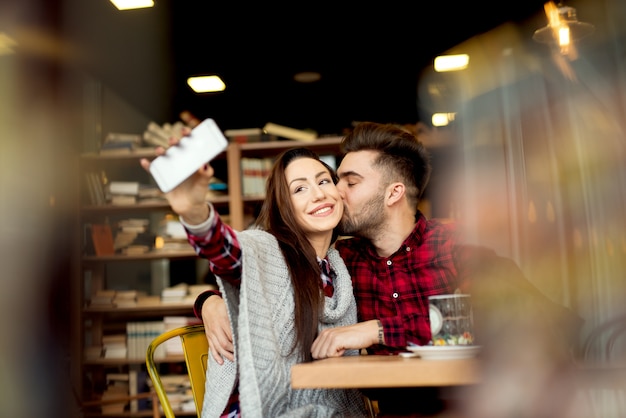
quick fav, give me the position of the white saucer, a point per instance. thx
(444, 352)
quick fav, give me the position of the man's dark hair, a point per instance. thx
(402, 157)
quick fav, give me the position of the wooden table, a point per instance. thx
(371, 371)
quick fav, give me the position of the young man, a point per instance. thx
(397, 258)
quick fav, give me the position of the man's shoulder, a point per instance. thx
(440, 230)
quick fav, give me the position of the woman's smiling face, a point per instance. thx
(314, 196)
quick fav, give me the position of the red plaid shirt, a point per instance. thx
(395, 289)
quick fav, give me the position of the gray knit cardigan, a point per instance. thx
(261, 312)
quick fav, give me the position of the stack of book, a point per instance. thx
(118, 386)
(175, 294)
(132, 192)
(115, 143)
(195, 290)
(126, 298)
(171, 235)
(148, 300)
(133, 236)
(178, 389)
(103, 298)
(174, 346)
(159, 135)
(115, 346)
(149, 193)
(123, 192)
(93, 352)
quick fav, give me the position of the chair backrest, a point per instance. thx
(196, 351)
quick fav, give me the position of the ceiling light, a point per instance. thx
(206, 84)
(563, 26)
(451, 62)
(442, 119)
(307, 77)
(132, 4)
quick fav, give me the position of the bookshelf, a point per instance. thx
(144, 275)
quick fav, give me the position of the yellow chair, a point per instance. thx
(196, 351)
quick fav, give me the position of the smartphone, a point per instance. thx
(180, 161)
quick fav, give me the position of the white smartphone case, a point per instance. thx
(180, 161)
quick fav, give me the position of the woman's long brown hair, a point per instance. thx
(277, 217)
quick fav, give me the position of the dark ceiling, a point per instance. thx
(370, 56)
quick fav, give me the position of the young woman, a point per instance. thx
(277, 287)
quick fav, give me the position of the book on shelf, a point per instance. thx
(93, 352)
(174, 346)
(123, 199)
(135, 250)
(196, 289)
(181, 289)
(147, 191)
(175, 294)
(245, 135)
(178, 390)
(133, 224)
(158, 135)
(115, 143)
(102, 238)
(114, 346)
(133, 236)
(95, 187)
(163, 244)
(254, 174)
(140, 334)
(115, 352)
(124, 187)
(170, 226)
(125, 192)
(88, 247)
(103, 297)
(127, 151)
(126, 298)
(112, 148)
(289, 133)
(148, 300)
(133, 389)
(120, 137)
(118, 386)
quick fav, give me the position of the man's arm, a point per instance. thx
(333, 342)
(214, 315)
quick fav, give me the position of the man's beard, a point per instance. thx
(368, 223)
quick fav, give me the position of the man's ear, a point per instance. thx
(395, 192)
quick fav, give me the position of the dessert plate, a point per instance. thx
(444, 352)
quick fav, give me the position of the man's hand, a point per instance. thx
(333, 342)
(217, 329)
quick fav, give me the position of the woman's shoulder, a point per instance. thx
(257, 238)
(256, 234)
